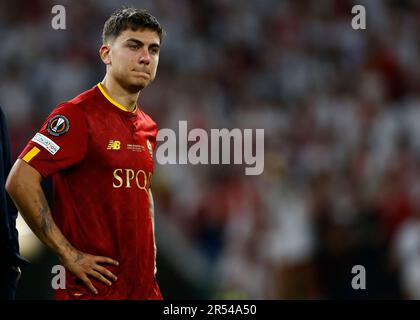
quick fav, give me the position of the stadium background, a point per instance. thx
(340, 109)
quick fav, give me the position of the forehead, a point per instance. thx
(146, 36)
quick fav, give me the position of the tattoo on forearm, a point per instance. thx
(64, 243)
(67, 247)
(46, 223)
(79, 257)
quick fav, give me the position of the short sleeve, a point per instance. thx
(151, 130)
(61, 142)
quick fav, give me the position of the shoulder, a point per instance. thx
(77, 106)
(86, 97)
(68, 110)
(149, 122)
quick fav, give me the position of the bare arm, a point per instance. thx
(152, 208)
(152, 216)
(24, 187)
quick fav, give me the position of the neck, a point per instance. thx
(127, 99)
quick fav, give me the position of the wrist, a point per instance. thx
(66, 253)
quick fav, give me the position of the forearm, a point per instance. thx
(31, 202)
(152, 208)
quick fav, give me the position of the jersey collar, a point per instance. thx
(115, 103)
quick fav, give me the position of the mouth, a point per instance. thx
(143, 72)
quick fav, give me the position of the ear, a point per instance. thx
(105, 53)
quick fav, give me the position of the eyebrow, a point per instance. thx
(152, 45)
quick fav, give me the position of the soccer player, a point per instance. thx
(98, 148)
(11, 261)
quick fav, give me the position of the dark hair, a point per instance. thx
(130, 18)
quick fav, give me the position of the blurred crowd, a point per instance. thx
(340, 109)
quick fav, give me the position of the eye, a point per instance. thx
(154, 50)
(134, 46)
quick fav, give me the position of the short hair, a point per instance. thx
(130, 18)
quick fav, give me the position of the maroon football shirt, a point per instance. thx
(100, 158)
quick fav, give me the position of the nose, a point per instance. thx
(144, 56)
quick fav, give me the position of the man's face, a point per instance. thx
(132, 58)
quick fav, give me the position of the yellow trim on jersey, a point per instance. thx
(115, 103)
(31, 154)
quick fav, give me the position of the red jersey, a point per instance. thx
(100, 158)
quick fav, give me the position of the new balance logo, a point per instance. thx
(114, 145)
